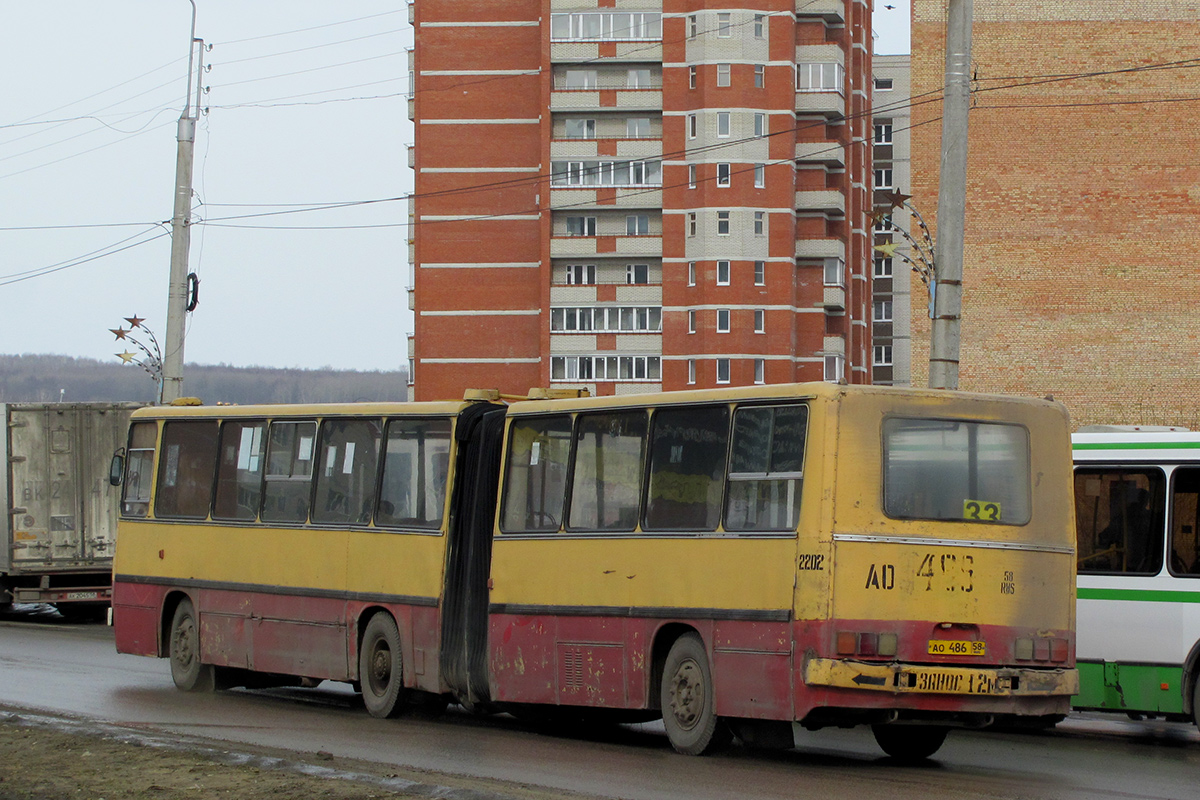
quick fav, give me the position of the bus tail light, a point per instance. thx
(1041, 650)
(850, 643)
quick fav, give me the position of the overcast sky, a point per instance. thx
(306, 106)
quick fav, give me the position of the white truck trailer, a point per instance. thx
(60, 521)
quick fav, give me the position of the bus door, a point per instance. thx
(464, 661)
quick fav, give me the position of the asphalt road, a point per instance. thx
(56, 668)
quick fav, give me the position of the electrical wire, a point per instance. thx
(95, 255)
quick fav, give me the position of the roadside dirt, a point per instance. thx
(48, 759)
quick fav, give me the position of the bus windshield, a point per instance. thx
(956, 470)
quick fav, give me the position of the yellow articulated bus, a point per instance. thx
(735, 561)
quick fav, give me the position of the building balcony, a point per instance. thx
(607, 98)
(599, 246)
(834, 298)
(832, 11)
(827, 200)
(625, 198)
(830, 154)
(832, 105)
(820, 248)
(589, 52)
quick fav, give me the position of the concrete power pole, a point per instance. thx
(952, 199)
(181, 236)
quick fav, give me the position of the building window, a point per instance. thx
(723, 71)
(760, 320)
(883, 178)
(883, 268)
(760, 273)
(883, 84)
(691, 273)
(883, 311)
(760, 223)
(691, 370)
(835, 272)
(581, 129)
(637, 225)
(760, 76)
(760, 176)
(412, 367)
(883, 133)
(820, 77)
(883, 355)
(722, 370)
(605, 26)
(691, 123)
(760, 124)
(606, 368)
(581, 226)
(691, 176)
(834, 368)
(637, 273)
(691, 77)
(722, 320)
(638, 79)
(691, 223)
(883, 223)
(693, 27)
(722, 223)
(691, 321)
(722, 273)
(606, 173)
(637, 128)
(722, 175)
(724, 24)
(760, 370)
(723, 123)
(581, 79)
(581, 274)
(760, 26)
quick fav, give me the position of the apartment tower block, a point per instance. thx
(631, 195)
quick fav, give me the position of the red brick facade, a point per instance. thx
(1082, 211)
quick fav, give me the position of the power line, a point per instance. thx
(310, 47)
(313, 28)
(95, 255)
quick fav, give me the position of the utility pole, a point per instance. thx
(952, 199)
(177, 289)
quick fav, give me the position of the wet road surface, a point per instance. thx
(57, 668)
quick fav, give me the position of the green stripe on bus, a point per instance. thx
(1135, 446)
(1141, 595)
(1154, 688)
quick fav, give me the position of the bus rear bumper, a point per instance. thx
(898, 679)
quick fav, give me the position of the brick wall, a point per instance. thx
(1083, 210)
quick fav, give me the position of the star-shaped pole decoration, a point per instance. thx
(888, 249)
(126, 357)
(896, 198)
(135, 320)
(120, 332)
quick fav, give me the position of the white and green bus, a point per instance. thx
(1137, 512)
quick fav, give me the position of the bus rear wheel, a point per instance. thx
(381, 667)
(689, 701)
(183, 649)
(909, 742)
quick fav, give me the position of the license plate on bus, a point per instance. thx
(83, 595)
(943, 647)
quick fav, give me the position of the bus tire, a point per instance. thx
(1196, 699)
(689, 700)
(381, 667)
(183, 650)
(909, 742)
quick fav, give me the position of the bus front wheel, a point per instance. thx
(187, 671)
(909, 742)
(381, 667)
(688, 699)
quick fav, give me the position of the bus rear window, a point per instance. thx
(956, 470)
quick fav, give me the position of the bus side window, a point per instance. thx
(766, 468)
(139, 469)
(1119, 520)
(687, 468)
(1185, 521)
(416, 467)
(239, 473)
(346, 478)
(610, 450)
(290, 451)
(186, 469)
(535, 478)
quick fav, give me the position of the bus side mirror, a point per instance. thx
(116, 469)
